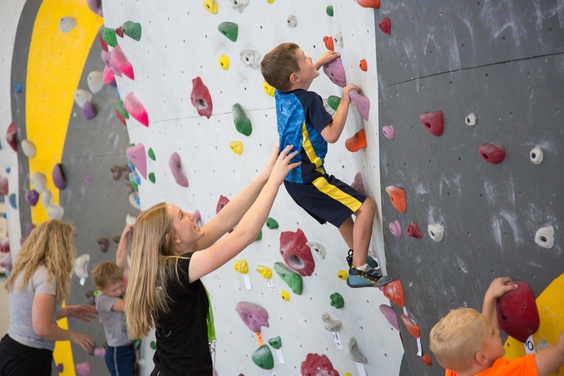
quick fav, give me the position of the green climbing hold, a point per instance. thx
(132, 30)
(333, 102)
(271, 223)
(109, 36)
(259, 236)
(153, 345)
(242, 122)
(337, 300)
(133, 182)
(152, 177)
(151, 154)
(292, 279)
(229, 29)
(263, 358)
(329, 10)
(275, 342)
(120, 106)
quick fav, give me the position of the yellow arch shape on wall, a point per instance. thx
(55, 64)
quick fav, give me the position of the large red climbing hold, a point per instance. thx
(356, 142)
(201, 98)
(491, 153)
(517, 312)
(394, 292)
(375, 4)
(397, 195)
(315, 364)
(433, 122)
(296, 253)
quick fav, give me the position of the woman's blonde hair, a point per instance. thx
(152, 268)
(50, 244)
(457, 337)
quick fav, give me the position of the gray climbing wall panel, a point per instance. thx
(503, 61)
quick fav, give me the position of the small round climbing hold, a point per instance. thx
(285, 295)
(333, 102)
(433, 122)
(292, 21)
(109, 36)
(493, 154)
(269, 90)
(427, 359)
(211, 6)
(329, 44)
(337, 300)
(242, 122)
(389, 132)
(66, 24)
(363, 65)
(271, 223)
(471, 119)
(357, 141)
(236, 146)
(224, 62)
(153, 345)
(342, 274)
(329, 10)
(536, 155)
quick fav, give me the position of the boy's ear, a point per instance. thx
(294, 78)
(481, 358)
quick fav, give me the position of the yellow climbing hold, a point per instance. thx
(285, 295)
(224, 62)
(269, 90)
(211, 6)
(236, 146)
(342, 274)
(265, 271)
(242, 266)
(270, 1)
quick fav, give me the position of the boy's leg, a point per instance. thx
(362, 231)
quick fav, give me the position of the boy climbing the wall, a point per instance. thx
(304, 123)
(467, 342)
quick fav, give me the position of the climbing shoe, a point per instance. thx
(368, 277)
(371, 261)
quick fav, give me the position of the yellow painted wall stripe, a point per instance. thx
(55, 64)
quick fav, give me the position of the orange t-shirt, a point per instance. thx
(525, 366)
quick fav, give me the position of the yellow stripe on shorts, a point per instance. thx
(336, 194)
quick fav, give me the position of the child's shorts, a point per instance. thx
(327, 199)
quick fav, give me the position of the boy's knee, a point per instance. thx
(368, 206)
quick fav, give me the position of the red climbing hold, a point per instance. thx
(386, 25)
(201, 98)
(119, 31)
(517, 312)
(221, 203)
(414, 231)
(397, 195)
(369, 3)
(356, 142)
(329, 44)
(363, 65)
(426, 358)
(315, 364)
(411, 325)
(433, 122)
(12, 136)
(394, 292)
(296, 253)
(493, 154)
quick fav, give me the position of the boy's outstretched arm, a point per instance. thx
(551, 359)
(121, 253)
(498, 287)
(333, 130)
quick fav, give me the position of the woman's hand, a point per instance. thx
(82, 312)
(283, 165)
(270, 162)
(84, 341)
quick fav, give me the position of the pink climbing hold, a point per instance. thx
(358, 183)
(517, 312)
(395, 228)
(386, 25)
(253, 315)
(12, 136)
(336, 72)
(201, 98)
(296, 253)
(389, 132)
(108, 76)
(433, 122)
(390, 315)
(120, 62)
(83, 369)
(315, 364)
(138, 157)
(175, 165)
(134, 107)
(221, 203)
(361, 102)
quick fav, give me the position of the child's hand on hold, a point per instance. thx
(500, 286)
(346, 90)
(327, 57)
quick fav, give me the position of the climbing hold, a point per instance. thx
(80, 267)
(240, 5)
(292, 21)
(336, 72)
(152, 178)
(388, 132)
(292, 279)
(137, 156)
(436, 232)
(285, 295)
(433, 122)
(385, 25)
(134, 200)
(66, 24)
(83, 369)
(175, 165)
(153, 345)
(32, 197)
(395, 228)
(493, 154)
(82, 96)
(354, 352)
(361, 102)
(221, 203)
(315, 364)
(38, 181)
(12, 136)
(271, 223)
(211, 6)
(236, 146)
(426, 358)
(60, 368)
(536, 155)
(333, 102)
(224, 62)
(545, 237)
(390, 315)
(358, 183)
(132, 30)
(338, 38)
(253, 315)
(241, 266)
(329, 44)
(95, 81)
(46, 198)
(242, 122)
(88, 179)
(104, 46)
(59, 178)
(275, 342)
(337, 300)
(411, 325)
(108, 76)
(201, 98)
(119, 32)
(375, 4)
(13, 200)
(120, 62)
(89, 110)
(330, 11)
(28, 148)
(263, 358)
(296, 253)
(342, 275)
(517, 312)
(259, 236)
(116, 172)
(394, 292)
(134, 107)
(270, 1)
(4, 186)
(104, 244)
(55, 211)
(357, 141)
(120, 107)
(414, 231)
(269, 90)
(109, 36)
(330, 324)
(363, 65)
(264, 271)
(96, 7)
(229, 29)
(151, 154)
(397, 195)
(471, 120)
(250, 58)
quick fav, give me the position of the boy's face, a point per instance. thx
(492, 347)
(114, 289)
(307, 72)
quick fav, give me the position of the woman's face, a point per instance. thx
(187, 230)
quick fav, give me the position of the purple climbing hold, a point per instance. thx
(59, 178)
(390, 315)
(96, 7)
(395, 228)
(175, 165)
(336, 72)
(361, 102)
(358, 183)
(253, 315)
(89, 110)
(138, 157)
(388, 132)
(32, 197)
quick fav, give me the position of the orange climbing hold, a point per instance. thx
(356, 142)
(369, 3)
(394, 292)
(397, 195)
(411, 325)
(363, 65)
(427, 359)
(329, 44)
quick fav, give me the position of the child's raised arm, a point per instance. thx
(498, 287)
(551, 359)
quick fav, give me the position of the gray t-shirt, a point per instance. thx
(115, 327)
(21, 301)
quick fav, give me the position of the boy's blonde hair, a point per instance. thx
(106, 273)
(457, 337)
(278, 65)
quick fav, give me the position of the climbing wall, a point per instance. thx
(495, 70)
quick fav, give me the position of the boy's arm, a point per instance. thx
(333, 130)
(327, 57)
(551, 359)
(121, 253)
(119, 306)
(498, 287)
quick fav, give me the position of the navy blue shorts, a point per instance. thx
(327, 199)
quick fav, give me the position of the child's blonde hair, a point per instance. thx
(457, 337)
(106, 273)
(278, 65)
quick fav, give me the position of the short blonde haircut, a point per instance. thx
(278, 65)
(457, 337)
(106, 273)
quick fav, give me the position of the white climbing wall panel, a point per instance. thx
(180, 41)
